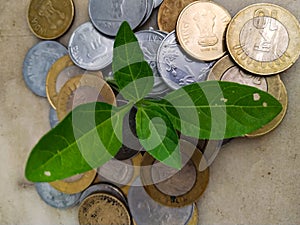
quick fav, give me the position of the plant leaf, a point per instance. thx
(217, 110)
(87, 138)
(158, 136)
(132, 73)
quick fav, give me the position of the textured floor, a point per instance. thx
(252, 181)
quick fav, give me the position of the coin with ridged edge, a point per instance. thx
(103, 209)
(201, 29)
(50, 19)
(264, 39)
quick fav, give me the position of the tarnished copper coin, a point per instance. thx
(103, 209)
(168, 13)
(201, 29)
(60, 72)
(264, 39)
(83, 89)
(226, 70)
(76, 183)
(176, 188)
(49, 19)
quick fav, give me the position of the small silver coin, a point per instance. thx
(150, 41)
(145, 211)
(176, 67)
(157, 3)
(89, 49)
(108, 15)
(104, 188)
(56, 198)
(37, 63)
(150, 7)
(53, 117)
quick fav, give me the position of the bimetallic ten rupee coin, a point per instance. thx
(75, 184)
(49, 19)
(226, 70)
(108, 15)
(264, 39)
(146, 211)
(89, 49)
(38, 62)
(168, 13)
(56, 198)
(201, 29)
(83, 89)
(176, 67)
(103, 209)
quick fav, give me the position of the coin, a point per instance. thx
(146, 211)
(194, 218)
(168, 13)
(49, 19)
(157, 3)
(264, 39)
(89, 49)
(56, 198)
(150, 7)
(75, 184)
(104, 188)
(176, 67)
(83, 89)
(226, 70)
(53, 117)
(103, 209)
(173, 189)
(37, 63)
(107, 15)
(60, 72)
(201, 29)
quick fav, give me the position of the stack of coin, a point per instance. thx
(196, 41)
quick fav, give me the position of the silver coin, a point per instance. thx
(89, 49)
(104, 188)
(37, 63)
(210, 153)
(176, 67)
(150, 41)
(56, 198)
(107, 15)
(157, 3)
(117, 172)
(150, 7)
(146, 211)
(53, 117)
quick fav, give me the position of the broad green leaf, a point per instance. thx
(158, 136)
(218, 110)
(132, 73)
(87, 138)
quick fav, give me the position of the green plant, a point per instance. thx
(92, 133)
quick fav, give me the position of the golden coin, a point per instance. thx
(75, 184)
(194, 219)
(226, 70)
(264, 39)
(49, 19)
(201, 29)
(83, 89)
(60, 72)
(168, 13)
(175, 188)
(103, 209)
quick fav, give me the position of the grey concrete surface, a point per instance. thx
(252, 181)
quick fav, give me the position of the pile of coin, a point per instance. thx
(196, 41)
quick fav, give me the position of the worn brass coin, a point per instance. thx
(181, 189)
(83, 89)
(226, 70)
(103, 209)
(49, 19)
(201, 29)
(60, 72)
(76, 183)
(168, 13)
(264, 39)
